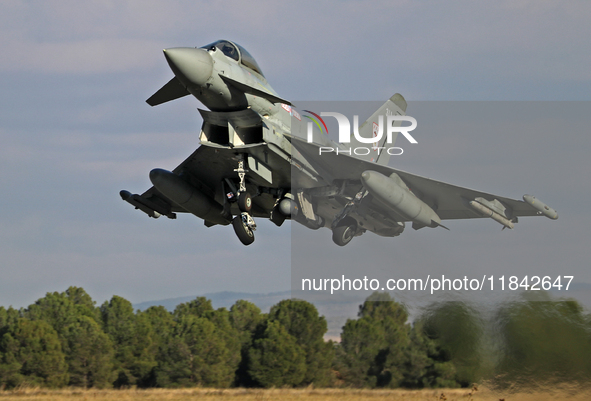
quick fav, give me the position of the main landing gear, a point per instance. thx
(344, 227)
(344, 231)
(244, 225)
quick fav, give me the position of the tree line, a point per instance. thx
(64, 339)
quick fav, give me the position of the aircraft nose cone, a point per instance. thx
(191, 66)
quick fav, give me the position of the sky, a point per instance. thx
(75, 130)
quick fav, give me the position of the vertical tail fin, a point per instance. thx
(396, 105)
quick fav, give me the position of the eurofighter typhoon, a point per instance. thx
(259, 158)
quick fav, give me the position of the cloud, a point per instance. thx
(80, 57)
(458, 40)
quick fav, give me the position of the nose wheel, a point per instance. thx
(244, 202)
(244, 227)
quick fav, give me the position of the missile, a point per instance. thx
(540, 207)
(188, 197)
(146, 205)
(394, 193)
(487, 212)
(136, 201)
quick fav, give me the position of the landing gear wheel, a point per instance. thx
(342, 235)
(242, 230)
(344, 232)
(244, 202)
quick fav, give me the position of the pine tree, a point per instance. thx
(375, 346)
(303, 323)
(245, 318)
(201, 349)
(275, 359)
(195, 355)
(31, 353)
(90, 354)
(88, 350)
(135, 350)
(544, 340)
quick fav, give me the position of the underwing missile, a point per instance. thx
(188, 197)
(540, 207)
(487, 212)
(136, 201)
(394, 193)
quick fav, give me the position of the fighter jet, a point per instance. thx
(259, 158)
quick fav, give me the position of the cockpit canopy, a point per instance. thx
(236, 52)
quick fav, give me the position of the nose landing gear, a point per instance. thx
(244, 225)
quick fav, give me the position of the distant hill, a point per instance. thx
(577, 290)
(336, 310)
(224, 299)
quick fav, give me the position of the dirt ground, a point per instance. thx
(35, 394)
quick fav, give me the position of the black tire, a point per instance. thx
(244, 202)
(342, 235)
(244, 234)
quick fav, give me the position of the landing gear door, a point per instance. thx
(306, 205)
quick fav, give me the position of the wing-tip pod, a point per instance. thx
(540, 206)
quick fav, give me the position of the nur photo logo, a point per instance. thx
(393, 126)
